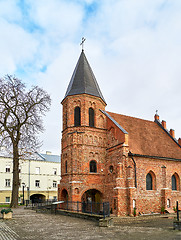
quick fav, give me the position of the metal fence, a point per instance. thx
(97, 208)
(86, 207)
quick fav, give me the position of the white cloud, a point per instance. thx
(133, 47)
(10, 11)
(17, 47)
(57, 18)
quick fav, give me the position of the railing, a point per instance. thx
(86, 207)
(39, 203)
(97, 208)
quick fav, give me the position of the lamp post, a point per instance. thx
(23, 185)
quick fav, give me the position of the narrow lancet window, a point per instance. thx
(91, 117)
(149, 185)
(65, 166)
(93, 166)
(174, 183)
(77, 117)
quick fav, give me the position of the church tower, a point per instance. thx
(83, 137)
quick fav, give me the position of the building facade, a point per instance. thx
(39, 177)
(130, 162)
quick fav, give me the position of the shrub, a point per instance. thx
(162, 209)
(6, 210)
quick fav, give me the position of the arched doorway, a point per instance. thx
(64, 198)
(92, 201)
(64, 195)
(92, 195)
(37, 198)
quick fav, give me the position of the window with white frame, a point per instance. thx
(37, 183)
(37, 170)
(54, 184)
(7, 199)
(7, 168)
(55, 171)
(7, 182)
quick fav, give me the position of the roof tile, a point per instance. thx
(147, 138)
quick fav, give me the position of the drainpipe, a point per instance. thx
(131, 155)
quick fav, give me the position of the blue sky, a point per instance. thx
(133, 47)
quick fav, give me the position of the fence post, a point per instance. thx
(103, 210)
(108, 209)
(177, 212)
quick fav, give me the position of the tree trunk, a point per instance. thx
(15, 189)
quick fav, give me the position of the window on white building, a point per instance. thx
(54, 171)
(37, 170)
(54, 184)
(37, 183)
(7, 168)
(7, 182)
(7, 199)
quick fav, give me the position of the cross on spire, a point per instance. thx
(82, 43)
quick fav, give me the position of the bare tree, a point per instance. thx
(20, 121)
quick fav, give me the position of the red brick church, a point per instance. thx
(130, 162)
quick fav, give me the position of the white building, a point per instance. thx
(39, 176)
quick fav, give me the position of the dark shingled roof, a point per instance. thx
(83, 80)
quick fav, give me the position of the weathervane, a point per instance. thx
(82, 43)
(156, 112)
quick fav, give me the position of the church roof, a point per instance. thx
(147, 137)
(83, 80)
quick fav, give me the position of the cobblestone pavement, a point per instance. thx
(27, 224)
(7, 233)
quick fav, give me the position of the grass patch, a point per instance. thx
(4, 205)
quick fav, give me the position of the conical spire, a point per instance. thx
(83, 80)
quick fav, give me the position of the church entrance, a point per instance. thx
(92, 195)
(64, 195)
(92, 201)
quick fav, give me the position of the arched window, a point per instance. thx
(168, 203)
(149, 185)
(93, 166)
(174, 183)
(65, 166)
(91, 117)
(111, 168)
(77, 117)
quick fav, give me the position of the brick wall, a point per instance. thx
(115, 177)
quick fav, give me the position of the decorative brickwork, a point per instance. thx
(111, 157)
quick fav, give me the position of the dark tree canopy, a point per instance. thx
(21, 114)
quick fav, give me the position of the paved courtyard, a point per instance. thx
(27, 224)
